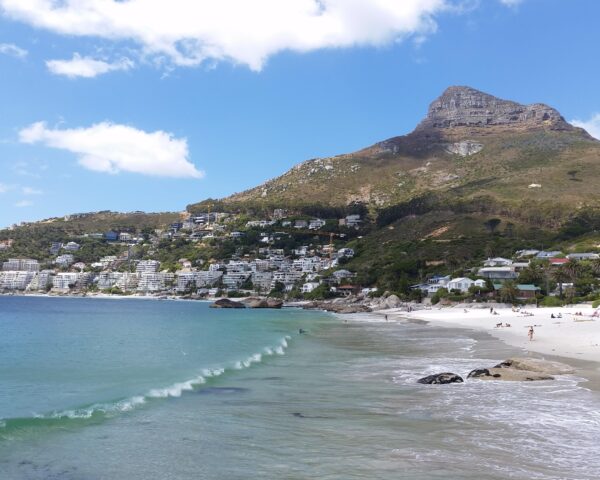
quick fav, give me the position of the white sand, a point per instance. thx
(571, 336)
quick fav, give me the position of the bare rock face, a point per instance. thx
(467, 107)
(464, 148)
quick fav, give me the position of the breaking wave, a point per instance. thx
(99, 411)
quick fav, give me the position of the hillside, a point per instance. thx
(33, 239)
(523, 161)
(478, 177)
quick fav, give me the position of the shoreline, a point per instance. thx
(572, 339)
(103, 296)
(586, 369)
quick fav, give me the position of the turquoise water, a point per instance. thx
(133, 389)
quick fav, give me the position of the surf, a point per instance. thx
(97, 412)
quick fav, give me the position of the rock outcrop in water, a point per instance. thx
(264, 303)
(522, 369)
(226, 303)
(441, 379)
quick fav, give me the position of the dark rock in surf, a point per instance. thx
(481, 372)
(441, 379)
(226, 303)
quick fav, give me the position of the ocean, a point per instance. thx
(96, 389)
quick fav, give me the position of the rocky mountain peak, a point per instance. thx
(461, 106)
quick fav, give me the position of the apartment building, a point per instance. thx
(21, 265)
(147, 266)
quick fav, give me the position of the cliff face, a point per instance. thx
(467, 107)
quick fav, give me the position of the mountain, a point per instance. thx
(471, 147)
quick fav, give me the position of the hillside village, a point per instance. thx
(285, 256)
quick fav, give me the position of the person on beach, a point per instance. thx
(530, 333)
(386, 318)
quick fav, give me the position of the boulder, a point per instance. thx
(522, 370)
(508, 374)
(441, 378)
(537, 365)
(226, 303)
(393, 301)
(480, 372)
(274, 303)
(258, 303)
(338, 307)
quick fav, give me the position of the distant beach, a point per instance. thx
(572, 336)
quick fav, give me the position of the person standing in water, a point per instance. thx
(530, 333)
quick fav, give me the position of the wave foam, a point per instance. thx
(125, 405)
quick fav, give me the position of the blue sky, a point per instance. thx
(169, 103)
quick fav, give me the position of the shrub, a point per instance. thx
(551, 302)
(596, 304)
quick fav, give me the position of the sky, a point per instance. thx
(151, 105)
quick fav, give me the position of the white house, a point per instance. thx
(583, 256)
(345, 252)
(498, 273)
(64, 260)
(497, 262)
(316, 223)
(463, 284)
(309, 287)
(72, 246)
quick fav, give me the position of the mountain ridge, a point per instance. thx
(467, 138)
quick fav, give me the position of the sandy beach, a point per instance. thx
(572, 336)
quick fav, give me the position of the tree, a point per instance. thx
(509, 229)
(322, 292)
(437, 296)
(509, 292)
(595, 266)
(247, 285)
(535, 274)
(574, 269)
(560, 276)
(277, 290)
(492, 224)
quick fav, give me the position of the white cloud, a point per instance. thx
(24, 203)
(247, 32)
(86, 67)
(511, 3)
(31, 191)
(12, 50)
(112, 148)
(592, 126)
(3, 188)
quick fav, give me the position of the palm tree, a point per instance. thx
(574, 269)
(560, 276)
(535, 273)
(509, 292)
(595, 266)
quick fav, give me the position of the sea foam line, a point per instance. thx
(173, 391)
